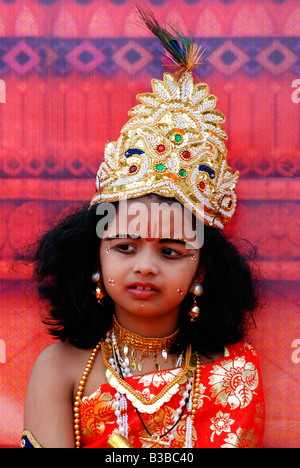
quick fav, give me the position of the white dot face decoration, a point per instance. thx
(179, 291)
(111, 282)
(193, 258)
(107, 250)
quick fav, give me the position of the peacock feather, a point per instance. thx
(181, 53)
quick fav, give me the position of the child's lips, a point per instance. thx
(143, 290)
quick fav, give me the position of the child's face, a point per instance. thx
(149, 275)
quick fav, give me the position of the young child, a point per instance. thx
(151, 311)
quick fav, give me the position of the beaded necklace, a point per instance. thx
(190, 401)
(121, 411)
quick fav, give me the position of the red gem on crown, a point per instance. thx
(161, 148)
(186, 154)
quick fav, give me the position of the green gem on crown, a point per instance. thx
(178, 138)
(182, 173)
(159, 167)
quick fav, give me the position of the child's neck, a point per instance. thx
(149, 326)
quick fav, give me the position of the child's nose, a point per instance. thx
(146, 264)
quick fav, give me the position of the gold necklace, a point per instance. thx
(146, 345)
(77, 402)
(143, 343)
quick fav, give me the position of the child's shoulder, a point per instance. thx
(60, 362)
(56, 353)
(50, 392)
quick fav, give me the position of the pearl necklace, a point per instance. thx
(121, 414)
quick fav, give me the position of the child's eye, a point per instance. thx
(127, 248)
(168, 252)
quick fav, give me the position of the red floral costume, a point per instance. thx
(230, 406)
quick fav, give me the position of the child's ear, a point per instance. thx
(200, 275)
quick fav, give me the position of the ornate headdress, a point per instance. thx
(173, 144)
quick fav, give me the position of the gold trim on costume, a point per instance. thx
(31, 439)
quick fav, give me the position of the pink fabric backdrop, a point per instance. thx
(71, 71)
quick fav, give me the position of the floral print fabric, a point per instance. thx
(230, 407)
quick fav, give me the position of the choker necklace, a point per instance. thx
(143, 342)
(146, 346)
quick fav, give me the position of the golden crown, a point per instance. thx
(173, 146)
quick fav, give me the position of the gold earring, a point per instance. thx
(99, 291)
(194, 312)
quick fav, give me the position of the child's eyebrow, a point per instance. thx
(187, 243)
(178, 241)
(122, 236)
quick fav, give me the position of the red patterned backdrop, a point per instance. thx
(63, 66)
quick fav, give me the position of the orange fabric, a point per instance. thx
(230, 407)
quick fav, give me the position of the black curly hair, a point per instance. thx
(65, 258)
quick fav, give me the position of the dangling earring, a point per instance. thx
(99, 291)
(194, 312)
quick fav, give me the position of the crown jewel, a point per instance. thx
(173, 145)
